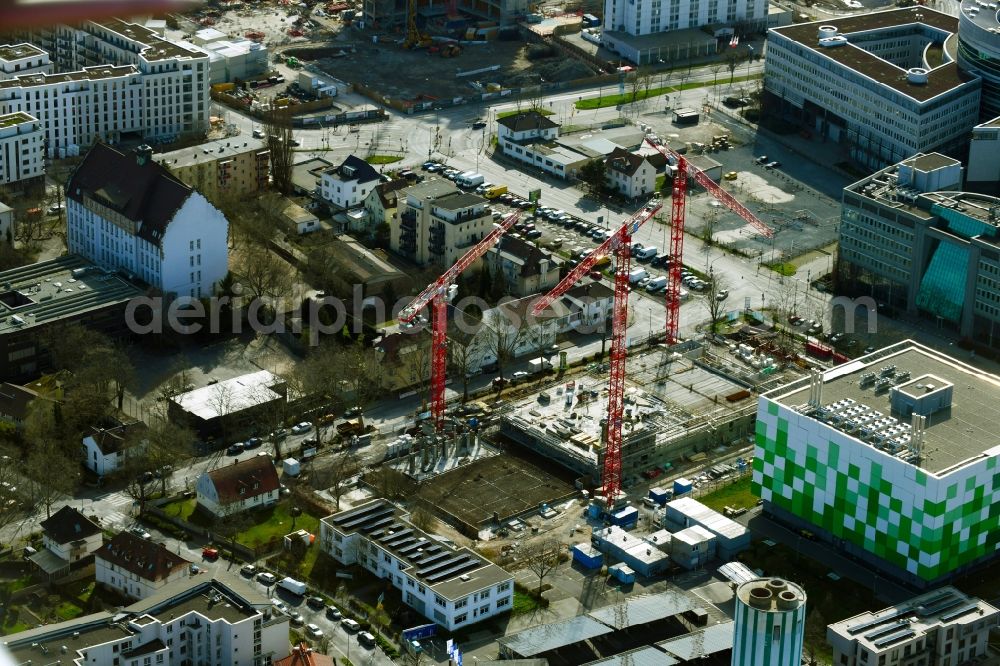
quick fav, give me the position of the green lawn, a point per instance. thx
(383, 159)
(67, 610)
(524, 603)
(276, 522)
(539, 110)
(626, 98)
(182, 508)
(782, 268)
(735, 495)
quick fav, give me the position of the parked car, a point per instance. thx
(296, 619)
(210, 554)
(235, 449)
(773, 165)
(366, 639)
(267, 578)
(353, 412)
(141, 533)
(333, 613)
(519, 376)
(349, 624)
(533, 233)
(164, 471)
(315, 603)
(280, 606)
(300, 428)
(314, 631)
(722, 295)
(248, 570)
(761, 160)
(278, 435)
(252, 443)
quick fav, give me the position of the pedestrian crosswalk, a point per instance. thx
(116, 510)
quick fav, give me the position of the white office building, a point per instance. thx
(453, 587)
(209, 620)
(126, 212)
(943, 627)
(979, 53)
(884, 84)
(22, 149)
(22, 59)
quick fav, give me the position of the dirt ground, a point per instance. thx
(430, 76)
(503, 484)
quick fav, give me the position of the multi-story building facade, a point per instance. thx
(227, 169)
(650, 16)
(631, 174)
(943, 627)
(22, 149)
(215, 620)
(126, 212)
(39, 298)
(978, 53)
(137, 568)
(891, 458)
(912, 239)
(453, 587)
(116, 78)
(872, 83)
(350, 183)
(438, 223)
(23, 59)
(525, 268)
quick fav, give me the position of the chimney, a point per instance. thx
(143, 154)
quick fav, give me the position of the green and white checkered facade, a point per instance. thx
(924, 524)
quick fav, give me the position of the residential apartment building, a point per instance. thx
(525, 268)
(381, 206)
(865, 81)
(404, 361)
(944, 627)
(70, 536)
(243, 486)
(439, 223)
(913, 240)
(126, 212)
(38, 298)
(453, 587)
(22, 59)
(22, 149)
(349, 184)
(216, 620)
(106, 450)
(137, 567)
(647, 17)
(630, 174)
(116, 78)
(871, 459)
(226, 169)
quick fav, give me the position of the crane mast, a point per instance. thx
(677, 217)
(620, 244)
(435, 295)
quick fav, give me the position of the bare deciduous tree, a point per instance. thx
(715, 299)
(541, 558)
(278, 130)
(334, 474)
(502, 335)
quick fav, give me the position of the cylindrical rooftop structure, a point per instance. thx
(770, 623)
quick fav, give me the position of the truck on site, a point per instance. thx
(537, 365)
(470, 179)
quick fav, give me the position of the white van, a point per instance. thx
(293, 586)
(470, 179)
(656, 284)
(637, 274)
(645, 253)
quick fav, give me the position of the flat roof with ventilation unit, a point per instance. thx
(449, 571)
(910, 621)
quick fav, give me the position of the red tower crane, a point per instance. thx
(435, 294)
(620, 243)
(677, 228)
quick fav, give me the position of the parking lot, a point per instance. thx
(574, 238)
